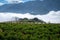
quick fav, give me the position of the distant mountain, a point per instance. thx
(33, 7)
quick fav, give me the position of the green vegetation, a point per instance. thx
(28, 20)
(24, 31)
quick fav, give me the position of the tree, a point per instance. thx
(35, 19)
(25, 19)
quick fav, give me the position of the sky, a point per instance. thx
(2, 2)
(14, 1)
(51, 16)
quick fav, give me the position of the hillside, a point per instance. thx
(14, 31)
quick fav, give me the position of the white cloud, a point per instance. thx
(1, 4)
(17, 1)
(10, 16)
(52, 16)
(14, 1)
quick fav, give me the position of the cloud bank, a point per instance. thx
(17, 1)
(14, 1)
(1, 4)
(52, 16)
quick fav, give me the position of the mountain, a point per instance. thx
(33, 7)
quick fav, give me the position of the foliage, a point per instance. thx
(28, 20)
(24, 31)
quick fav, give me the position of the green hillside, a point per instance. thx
(25, 31)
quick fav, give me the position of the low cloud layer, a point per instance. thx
(52, 16)
(14, 1)
(1, 4)
(17, 1)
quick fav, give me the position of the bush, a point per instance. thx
(26, 31)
